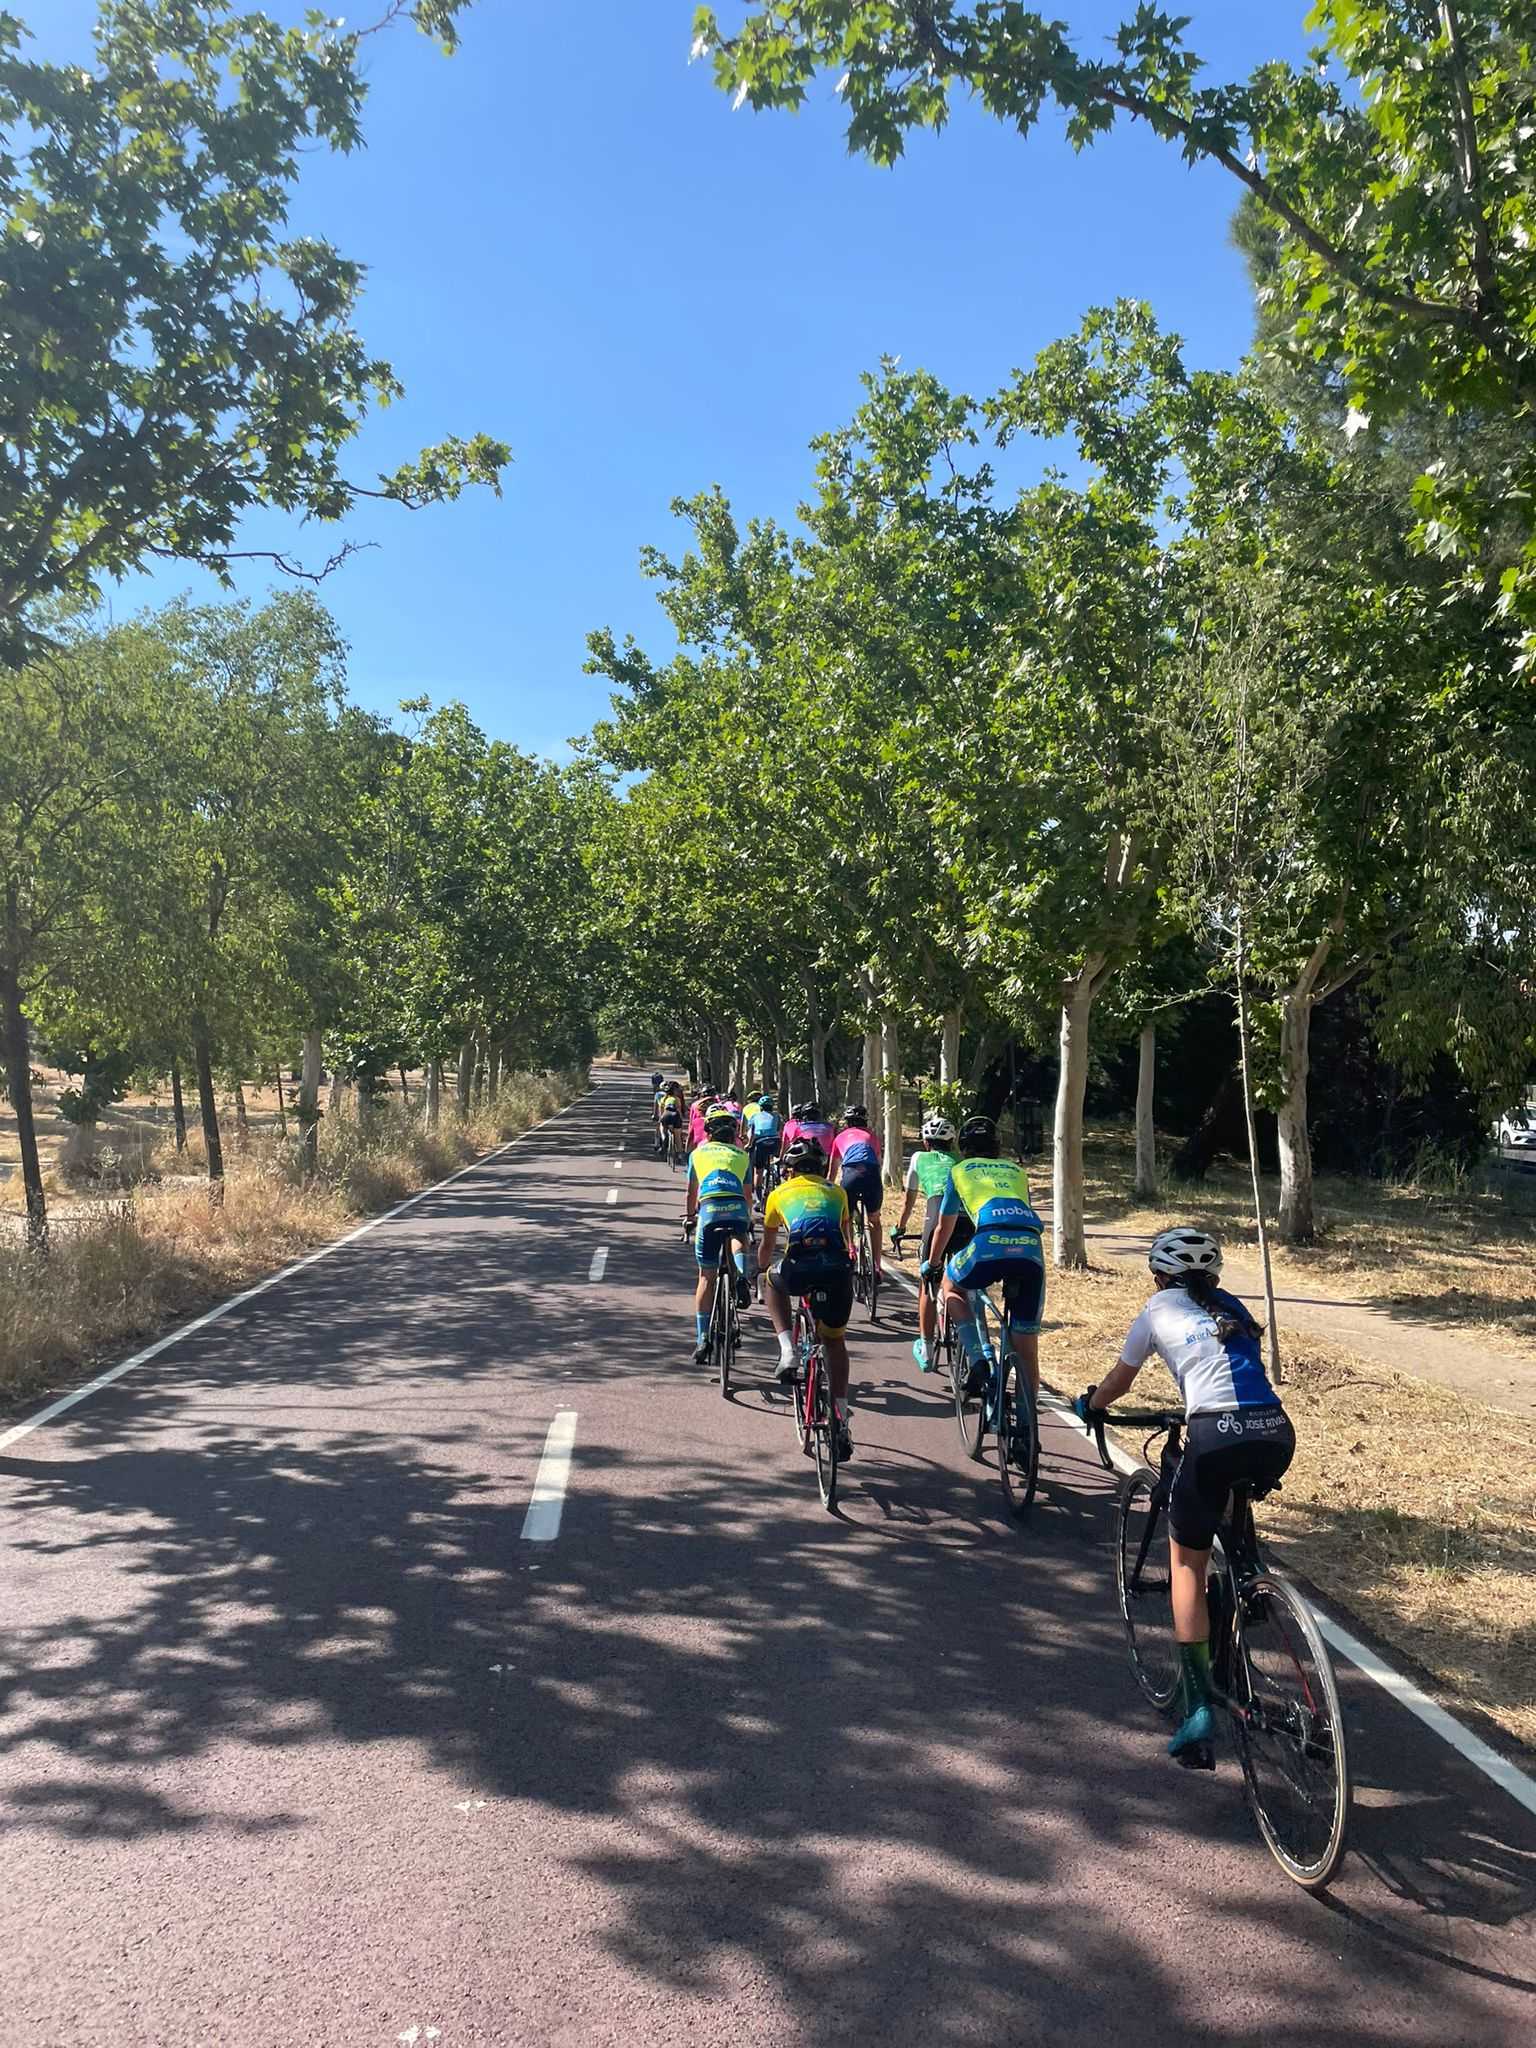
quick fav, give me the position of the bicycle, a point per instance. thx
(1270, 1667)
(1006, 1405)
(724, 1318)
(815, 1414)
(677, 1146)
(866, 1277)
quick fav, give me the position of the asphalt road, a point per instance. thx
(302, 1741)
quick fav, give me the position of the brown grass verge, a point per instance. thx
(1460, 1259)
(121, 1269)
(1411, 1506)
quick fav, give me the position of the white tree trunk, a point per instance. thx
(1296, 1221)
(949, 1048)
(890, 1103)
(1146, 1129)
(1069, 1242)
(434, 1093)
(309, 1100)
(1245, 1044)
(466, 1074)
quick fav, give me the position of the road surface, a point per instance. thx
(302, 1740)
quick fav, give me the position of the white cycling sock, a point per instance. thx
(786, 1348)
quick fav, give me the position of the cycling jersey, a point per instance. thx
(721, 1172)
(763, 1127)
(822, 1133)
(928, 1173)
(993, 1193)
(812, 1214)
(855, 1150)
(1212, 1372)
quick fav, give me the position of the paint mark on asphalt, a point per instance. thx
(599, 1262)
(541, 1524)
(613, 1196)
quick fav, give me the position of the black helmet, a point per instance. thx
(978, 1137)
(806, 1112)
(805, 1156)
(855, 1117)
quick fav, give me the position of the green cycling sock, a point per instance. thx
(1195, 1671)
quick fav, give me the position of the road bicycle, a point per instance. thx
(866, 1276)
(677, 1146)
(1005, 1405)
(1271, 1669)
(815, 1413)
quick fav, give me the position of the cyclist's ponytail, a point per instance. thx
(1231, 1318)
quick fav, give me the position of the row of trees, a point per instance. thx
(212, 856)
(973, 763)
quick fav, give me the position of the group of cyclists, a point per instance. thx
(979, 1231)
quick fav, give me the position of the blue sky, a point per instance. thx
(573, 243)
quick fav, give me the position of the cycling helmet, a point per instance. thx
(938, 1130)
(805, 1156)
(806, 1112)
(978, 1137)
(1180, 1252)
(765, 1102)
(656, 1080)
(720, 1120)
(855, 1116)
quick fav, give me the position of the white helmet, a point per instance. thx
(1178, 1252)
(938, 1130)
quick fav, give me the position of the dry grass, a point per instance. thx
(1462, 1258)
(120, 1269)
(1413, 1507)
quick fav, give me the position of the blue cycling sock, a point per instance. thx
(970, 1341)
(701, 1320)
(741, 1263)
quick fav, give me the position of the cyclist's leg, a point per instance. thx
(874, 1204)
(739, 1261)
(962, 1317)
(706, 1251)
(1023, 1307)
(1195, 1507)
(832, 1304)
(776, 1294)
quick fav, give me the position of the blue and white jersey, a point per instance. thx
(1212, 1372)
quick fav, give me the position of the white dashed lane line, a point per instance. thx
(599, 1263)
(612, 1196)
(541, 1524)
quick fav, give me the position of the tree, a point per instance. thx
(1396, 171)
(173, 359)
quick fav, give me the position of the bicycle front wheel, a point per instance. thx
(1018, 1441)
(824, 1433)
(1290, 1731)
(1145, 1587)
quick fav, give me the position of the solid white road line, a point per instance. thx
(18, 1430)
(541, 1524)
(1508, 1776)
(599, 1263)
(612, 1196)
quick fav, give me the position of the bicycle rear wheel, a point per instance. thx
(802, 1382)
(722, 1329)
(824, 1433)
(1290, 1731)
(1145, 1588)
(970, 1409)
(1018, 1440)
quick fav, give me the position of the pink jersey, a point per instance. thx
(695, 1126)
(856, 1151)
(822, 1133)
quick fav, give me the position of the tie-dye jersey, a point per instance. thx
(855, 1151)
(822, 1133)
(811, 1214)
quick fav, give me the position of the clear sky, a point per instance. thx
(574, 244)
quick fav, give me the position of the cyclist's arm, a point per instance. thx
(692, 1209)
(943, 1231)
(766, 1244)
(1116, 1381)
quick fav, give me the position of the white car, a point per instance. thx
(1518, 1128)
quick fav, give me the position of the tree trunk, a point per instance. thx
(242, 1120)
(1245, 1045)
(434, 1093)
(405, 1088)
(1296, 1221)
(282, 1107)
(309, 1102)
(18, 1073)
(1195, 1156)
(1146, 1129)
(739, 1071)
(466, 1075)
(981, 1059)
(949, 1047)
(890, 1068)
(493, 1072)
(208, 1104)
(178, 1107)
(1069, 1242)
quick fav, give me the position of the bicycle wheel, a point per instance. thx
(970, 1409)
(1018, 1440)
(860, 1259)
(1143, 1581)
(802, 1383)
(721, 1330)
(824, 1432)
(1290, 1731)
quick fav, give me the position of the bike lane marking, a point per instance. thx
(599, 1263)
(611, 1197)
(541, 1524)
(1504, 1773)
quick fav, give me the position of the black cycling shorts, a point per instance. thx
(863, 1184)
(826, 1283)
(1242, 1447)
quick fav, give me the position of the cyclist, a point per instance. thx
(855, 1162)
(669, 1115)
(660, 1096)
(719, 1203)
(763, 1126)
(816, 1263)
(702, 1102)
(987, 1232)
(806, 1121)
(928, 1176)
(1236, 1431)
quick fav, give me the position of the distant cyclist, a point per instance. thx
(702, 1104)
(719, 1205)
(854, 1162)
(927, 1178)
(807, 1120)
(762, 1133)
(988, 1234)
(1236, 1432)
(669, 1114)
(816, 1264)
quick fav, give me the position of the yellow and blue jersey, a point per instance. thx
(721, 1172)
(811, 1212)
(993, 1193)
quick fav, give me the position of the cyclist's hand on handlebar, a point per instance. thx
(1089, 1418)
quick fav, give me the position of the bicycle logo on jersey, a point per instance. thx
(1229, 1423)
